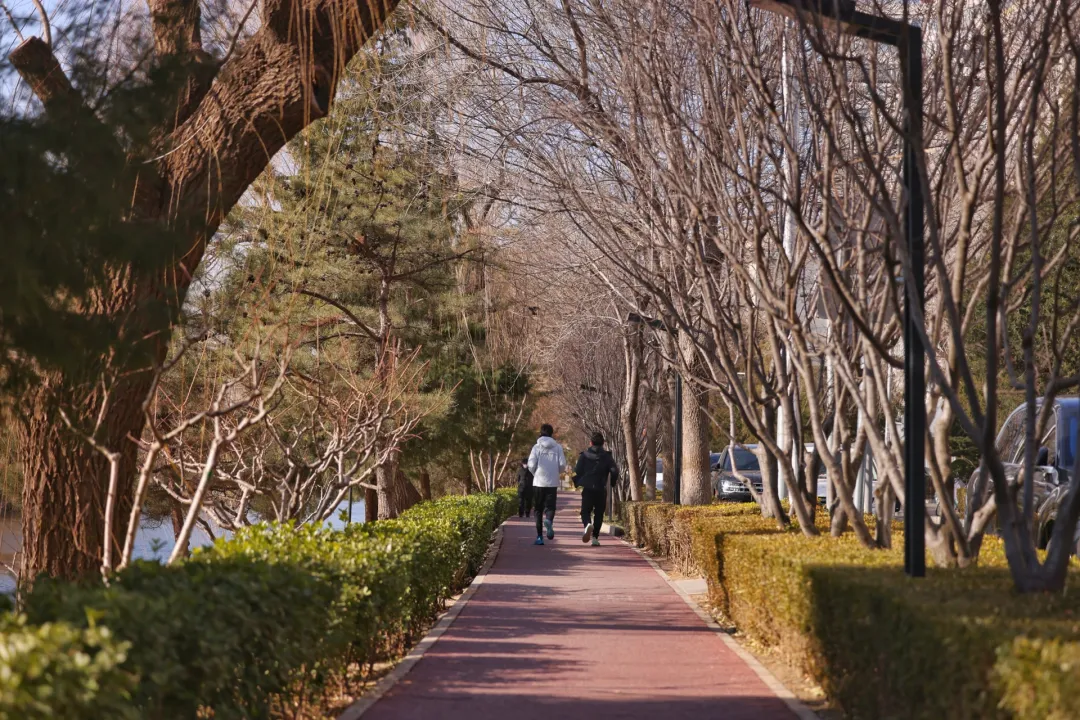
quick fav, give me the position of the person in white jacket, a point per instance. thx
(547, 463)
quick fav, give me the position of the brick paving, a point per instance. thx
(567, 632)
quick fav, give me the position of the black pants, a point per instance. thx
(525, 500)
(544, 502)
(593, 502)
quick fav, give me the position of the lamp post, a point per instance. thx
(676, 449)
(907, 38)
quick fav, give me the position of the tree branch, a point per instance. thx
(36, 64)
(349, 313)
(176, 26)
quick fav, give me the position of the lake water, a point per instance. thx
(153, 540)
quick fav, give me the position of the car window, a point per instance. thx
(1010, 441)
(745, 460)
(659, 466)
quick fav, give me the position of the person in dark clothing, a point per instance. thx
(525, 489)
(594, 468)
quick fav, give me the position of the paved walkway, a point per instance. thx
(569, 632)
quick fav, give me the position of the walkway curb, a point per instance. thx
(794, 704)
(361, 706)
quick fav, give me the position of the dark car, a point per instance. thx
(1055, 459)
(726, 485)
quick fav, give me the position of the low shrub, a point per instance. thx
(631, 515)
(1039, 678)
(651, 525)
(655, 525)
(957, 644)
(202, 634)
(274, 611)
(708, 536)
(961, 644)
(59, 671)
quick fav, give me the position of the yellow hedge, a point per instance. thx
(957, 644)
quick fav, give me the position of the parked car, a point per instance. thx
(713, 459)
(726, 485)
(1055, 459)
(823, 484)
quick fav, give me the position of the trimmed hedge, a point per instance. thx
(274, 611)
(957, 644)
(58, 671)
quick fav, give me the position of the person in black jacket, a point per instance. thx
(525, 489)
(594, 468)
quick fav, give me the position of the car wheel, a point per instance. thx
(1050, 544)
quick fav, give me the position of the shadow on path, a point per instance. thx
(568, 631)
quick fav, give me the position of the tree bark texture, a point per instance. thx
(651, 453)
(371, 505)
(667, 437)
(224, 130)
(696, 486)
(388, 491)
(628, 413)
(425, 485)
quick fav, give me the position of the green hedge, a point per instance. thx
(957, 644)
(274, 611)
(58, 671)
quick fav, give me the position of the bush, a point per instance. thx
(59, 671)
(957, 644)
(651, 524)
(1040, 678)
(268, 612)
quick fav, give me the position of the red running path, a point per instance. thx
(567, 632)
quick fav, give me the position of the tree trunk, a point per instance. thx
(176, 514)
(216, 141)
(371, 505)
(65, 481)
(396, 494)
(651, 453)
(425, 485)
(884, 508)
(667, 435)
(628, 413)
(696, 487)
(770, 486)
(406, 491)
(387, 490)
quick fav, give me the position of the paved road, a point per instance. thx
(569, 632)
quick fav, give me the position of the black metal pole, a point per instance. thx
(677, 444)
(914, 381)
(350, 505)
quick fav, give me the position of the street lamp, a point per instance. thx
(907, 38)
(676, 449)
